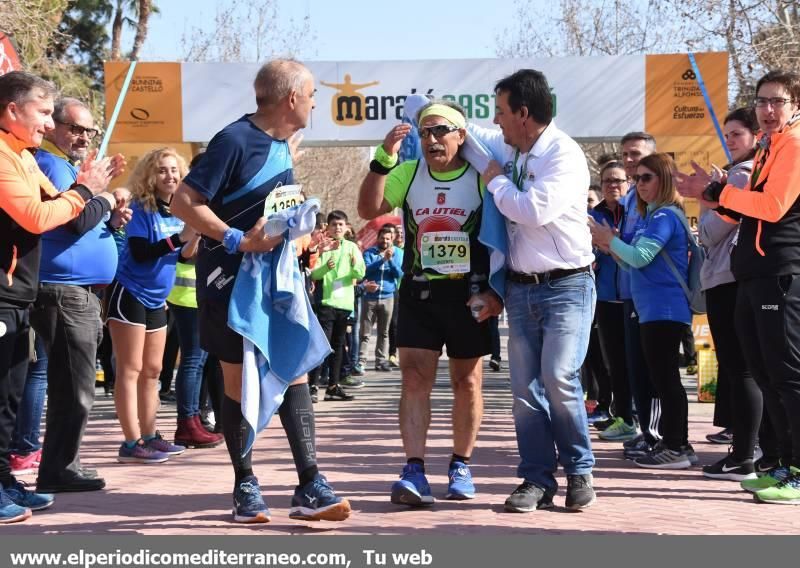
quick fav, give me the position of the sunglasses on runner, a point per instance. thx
(646, 178)
(437, 131)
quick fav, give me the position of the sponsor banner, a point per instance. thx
(152, 108)
(705, 150)
(595, 97)
(675, 104)
(358, 102)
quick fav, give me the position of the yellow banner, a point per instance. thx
(674, 103)
(152, 108)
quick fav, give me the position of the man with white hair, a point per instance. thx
(78, 259)
(223, 198)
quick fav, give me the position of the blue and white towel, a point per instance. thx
(493, 232)
(270, 308)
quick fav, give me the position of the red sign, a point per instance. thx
(9, 60)
(368, 235)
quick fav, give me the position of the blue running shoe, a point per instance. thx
(248, 504)
(460, 486)
(28, 499)
(159, 444)
(413, 488)
(10, 512)
(316, 501)
(597, 416)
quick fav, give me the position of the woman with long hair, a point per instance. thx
(738, 402)
(659, 299)
(136, 303)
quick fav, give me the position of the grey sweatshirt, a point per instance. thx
(717, 235)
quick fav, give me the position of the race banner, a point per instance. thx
(596, 98)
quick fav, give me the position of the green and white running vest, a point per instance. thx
(442, 219)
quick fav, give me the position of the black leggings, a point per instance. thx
(660, 342)
(738, 390)
(768, 315)
(611, 326)
(594, 374)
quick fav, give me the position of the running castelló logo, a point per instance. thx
(348, 105)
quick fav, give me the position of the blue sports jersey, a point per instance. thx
(241, 166)
(657, 294)
(68, 258)
(150, 282)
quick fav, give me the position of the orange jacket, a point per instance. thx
(769, 237)
(29, 206)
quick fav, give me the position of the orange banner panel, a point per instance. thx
(152, 108)
(673, 100)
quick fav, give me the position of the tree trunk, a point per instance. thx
(145, 7)
(116, 32)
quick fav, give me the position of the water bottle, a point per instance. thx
(276, 226)
(476, 308)
(477, 305)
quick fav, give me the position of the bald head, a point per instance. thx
(277, 79)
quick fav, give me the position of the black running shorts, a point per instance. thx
(122, 306)
(435, 314)
(215, 335)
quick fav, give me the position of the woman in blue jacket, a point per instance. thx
(659, 299)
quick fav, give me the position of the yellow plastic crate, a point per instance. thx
(707, 372)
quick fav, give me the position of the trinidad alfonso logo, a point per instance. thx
(348, 105)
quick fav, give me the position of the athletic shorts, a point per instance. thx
(122, 306)
(216, 337)
(435, 314)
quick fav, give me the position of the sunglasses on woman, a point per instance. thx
(646, 178)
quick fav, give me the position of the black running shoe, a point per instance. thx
(723, 437)
(580, 493)
(337, 393)
(529, 497)
(764, 464)
(603, 424)
(728, 468)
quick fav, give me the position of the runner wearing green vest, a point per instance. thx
(444, 299)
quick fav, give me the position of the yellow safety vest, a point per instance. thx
(184, 291)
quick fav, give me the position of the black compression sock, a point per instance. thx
(297, 418)
(234, 428)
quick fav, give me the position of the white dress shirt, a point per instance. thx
(546, 220)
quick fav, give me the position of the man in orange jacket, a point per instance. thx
(29, 206)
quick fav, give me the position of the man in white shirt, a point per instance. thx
(541, 190)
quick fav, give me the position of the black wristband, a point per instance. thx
(176, 241)
(713, 191)
(377, 168)
(82, 190)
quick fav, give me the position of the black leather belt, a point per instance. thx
(91, 288)
(522, 278)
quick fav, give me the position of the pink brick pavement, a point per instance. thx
(360, 452)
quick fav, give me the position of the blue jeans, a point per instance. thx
(29, 415)
(190, 371)
(549, 326)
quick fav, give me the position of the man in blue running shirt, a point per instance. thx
(223, 198)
